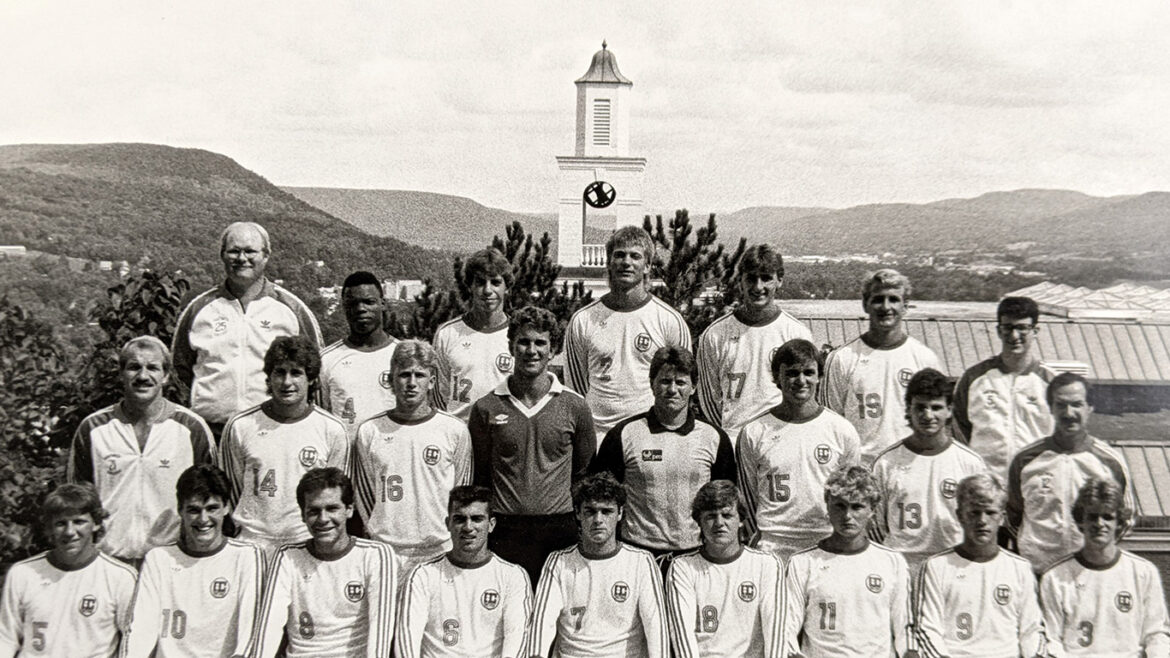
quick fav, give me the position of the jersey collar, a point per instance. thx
(656, 426)
(1097, 567)
(554, 389)
(865, 339)
(267, 290)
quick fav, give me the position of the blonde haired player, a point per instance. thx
(609, 343)
(724, 599)
(1102, 601)
(866, 378)
(976, 600)
(847, 597)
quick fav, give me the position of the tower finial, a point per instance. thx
(604, 45)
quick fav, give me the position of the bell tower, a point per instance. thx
(600, 184)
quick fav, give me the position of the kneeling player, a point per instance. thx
(334, 594)
(975, 599)
(467, 602)
(1101, 600)
(918, 476)
(197, 597)
(600, 597)
(72, 600)
(848, 596)
(724, 599)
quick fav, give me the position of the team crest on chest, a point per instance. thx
(1003, 594)
(1124, 601)
(308, 456)
(490, 599)
(354, 591)
(220, 587)
(219, 326)
(112, 465)
(504, 362)
(431, 455)
(88, 605)
(620, 591)
(823, 453)
(642, 342)
(386, 380)
(904, 376)
(652, 455)
(747, 591)
(873, 583)
(948, 488)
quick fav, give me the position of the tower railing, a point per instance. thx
(593, 255)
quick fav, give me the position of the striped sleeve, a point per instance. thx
(1052, 606)
(795, 579)
(464, 462)
(442, 369)
(363, 480)
(338, 441)
(960, 418)
(383, 580)
(929, 610)
(142, 636)
(251, 593)
(833, 391)
(203, 449)
(576, 355)
(273, 609)
(901, 615)
(1031, 626)
(682, 336)
(517, 609)
(183, 356)
(546, 608)
(652, 609)
(879, 526)
(232, 460)
(1116, 465)
(80, 467)
(748, 482)
(413, 608)
(680, 610)
(710, 386)
(772, 610)
(305, 318)
(481, 444)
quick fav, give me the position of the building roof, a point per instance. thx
(1117, 352)
(604, 68)
(1125, 300)
(1149, 465)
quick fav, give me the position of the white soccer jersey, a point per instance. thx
(598, 608)
(735, 367)
(608, 352)
(978, 608)
(867, 385)
(733, 608)
(783, 468)
(471, 363)
(195, 606)
(265, 459)
(917, 515)
(1117, 611)
(340, 607)
(403, 473)
(355, 383)
(452, 611)
(48, 611)
(848, 605)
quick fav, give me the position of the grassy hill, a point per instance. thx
(168, 205)
(437, 221)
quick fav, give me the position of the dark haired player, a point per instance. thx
(266, 449)
(198, 596)
(71, 600)
(977, 600)
(473, 349)
(532, 438)
(724, 599)
(1104, 601)
(919, 476)
(786, 456)
(334, 594)
(663, 456)
(467, 602)
(735, 351)
(1000, 403)
(847, 596)
(600, 597)
(355, 371)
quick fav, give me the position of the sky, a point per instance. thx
(735, 104)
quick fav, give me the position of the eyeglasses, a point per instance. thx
(1016, 328)
(246, 253)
